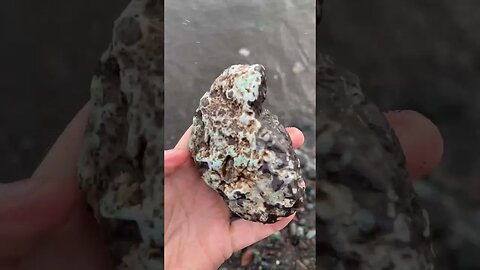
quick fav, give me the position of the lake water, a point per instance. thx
(202, 38)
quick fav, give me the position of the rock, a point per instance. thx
(311, 173)
(275, 236)
(300, 231)
(310, 206)
(293, 228)
(247, 257)
(121, 161)
(302, 221)
(298, 67)
(368, 214)
(244, 52)
(311, 234)
(241, 149)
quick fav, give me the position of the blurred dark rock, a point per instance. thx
(423, 55)
(49, 52)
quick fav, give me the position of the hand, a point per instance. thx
(198, 232)
(44, 223)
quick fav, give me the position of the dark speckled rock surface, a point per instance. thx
(121, 163)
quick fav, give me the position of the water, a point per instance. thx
(202, 38)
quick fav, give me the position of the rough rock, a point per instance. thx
(368, 216)
(241, 149)
(121, 163)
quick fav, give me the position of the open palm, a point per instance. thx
(197, 220)
(45, 223)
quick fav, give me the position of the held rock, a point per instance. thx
(241, 149)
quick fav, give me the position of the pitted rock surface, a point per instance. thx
(121, 163)
(241, 149)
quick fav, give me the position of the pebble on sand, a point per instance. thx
(244, 52)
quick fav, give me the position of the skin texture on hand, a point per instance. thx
(197, 220)
(44, 222)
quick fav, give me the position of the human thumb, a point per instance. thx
(174, 158)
